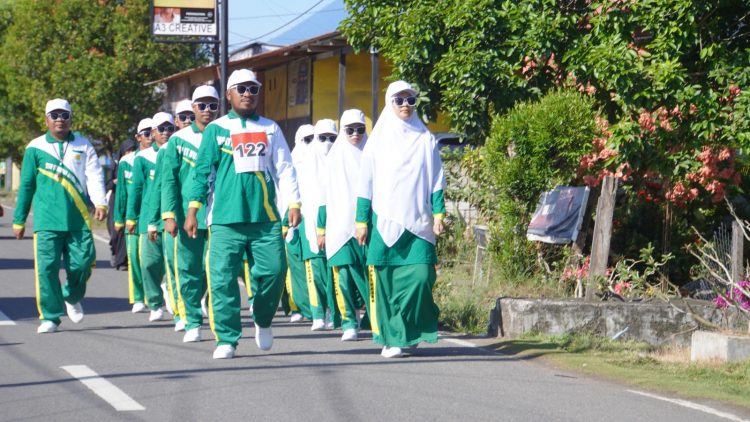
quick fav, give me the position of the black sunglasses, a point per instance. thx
(54, 115)
(329, 138)
(210, 106)
(308, 139)
(185, 117)
(360, 130)
(145, 132)
(410, 101)
(253, 89)
(167, 129)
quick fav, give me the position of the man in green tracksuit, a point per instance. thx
(150, 240)
(180, 156)
(123, 191)
(246, 153)
(61, 174)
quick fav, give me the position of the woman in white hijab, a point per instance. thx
(400, 208)
(311, 180)
(345, 255)
(296, 289)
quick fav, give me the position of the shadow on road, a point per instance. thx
(28, 264)
(20, 308)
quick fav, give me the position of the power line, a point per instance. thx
(286, 24)
(244, 18)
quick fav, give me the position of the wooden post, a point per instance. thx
(737, 252)
(605, 208)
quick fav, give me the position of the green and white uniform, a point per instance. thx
(125, 179)
(61, 179)
(151, 252)
(400, 194)
(242, 156)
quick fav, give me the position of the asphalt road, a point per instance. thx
(306, 376)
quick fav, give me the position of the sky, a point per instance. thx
(281, 22)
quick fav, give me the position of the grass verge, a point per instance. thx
(639, 365)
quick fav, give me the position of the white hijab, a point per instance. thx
(312, 178)
(342, 172)
(401, 168)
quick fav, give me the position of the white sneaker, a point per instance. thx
(329, 325)
(225, 351)
(75, 312)
(391, 352)
(192, 335)
(263, 337)
(138, 307)
(156, 315)
(295, 317)
(318, 325)
(204, 307)
(179, 325)
(167, 298)
(46, 327)
(350, 334)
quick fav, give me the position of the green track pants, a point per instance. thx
(79, 257)
(321, 290)
(152, 269)
(226, 246)
(173, 290)
(351, 286)
(402, 310)
(135, 280)
(190, 277)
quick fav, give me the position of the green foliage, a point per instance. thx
(98, 55)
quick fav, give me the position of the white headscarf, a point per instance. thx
(299, 146)
(342, 172)
(312, 177)
(401, 168)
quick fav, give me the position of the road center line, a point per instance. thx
(103, 388)
(5, 320)
(458, 341)
(691, 405)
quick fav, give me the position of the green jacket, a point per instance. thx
(180, 156)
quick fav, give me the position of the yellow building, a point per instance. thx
(304, 82)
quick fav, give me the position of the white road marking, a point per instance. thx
(458, 341)
(5, 320)
(103, 388)
(99, 238)
(691, 405)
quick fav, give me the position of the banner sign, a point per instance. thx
(184, 17)
(559, 215)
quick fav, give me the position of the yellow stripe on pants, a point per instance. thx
(208, 283)
(36, 281)
(311, 284)
(373, 300)
(339, 296)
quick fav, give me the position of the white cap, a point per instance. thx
(161, 117)
(144, 124)
(57, 104)
(205, 91)
(302, 131)
(399, 86)
(241, 76)
(184, 106)
(326, 126)
(352, 116)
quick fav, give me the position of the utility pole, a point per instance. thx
(224, 45)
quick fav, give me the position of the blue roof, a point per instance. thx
(318, 22)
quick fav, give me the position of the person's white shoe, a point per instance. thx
(75, 312)
(138, 307)
(295, 317)
(350, 334)
(329, 325)
(391, 352)
(224, 351)
(46, 327)
(263, 337)
(167, 301)
(318, 325)
(156, 315)
(179, 325)
(192, 335)
(204, 307)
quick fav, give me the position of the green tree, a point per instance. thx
(96, 54)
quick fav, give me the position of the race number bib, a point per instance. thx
(250, 150)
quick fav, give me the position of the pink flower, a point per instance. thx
(646, 121)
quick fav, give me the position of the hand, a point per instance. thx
(191, 222)
(361, 235)
(438, 227)
(152, 235)
(19, 232)
(170, 226)
(100, 213)
(131, 228)
(295, 216)
(321, 241)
